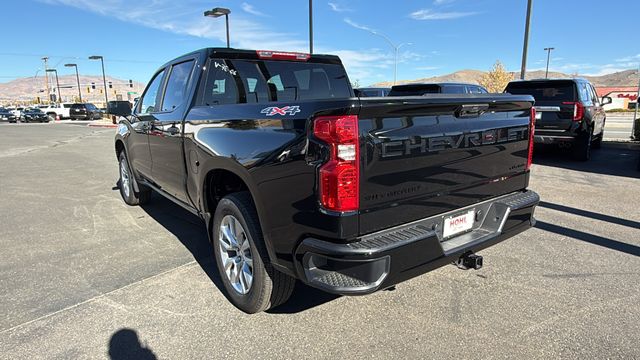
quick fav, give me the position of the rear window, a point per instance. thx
(414, 90)
(77, 106)
(555, 91)
(255, 81)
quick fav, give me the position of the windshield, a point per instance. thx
(33, 111)
(554, 91)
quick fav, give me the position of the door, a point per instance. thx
(144, 113)
(165, 135)
(599, 113)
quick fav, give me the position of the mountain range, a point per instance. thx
(622, 78)
(28, 89)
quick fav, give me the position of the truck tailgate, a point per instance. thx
(423, 156)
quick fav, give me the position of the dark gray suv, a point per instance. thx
(568, 113)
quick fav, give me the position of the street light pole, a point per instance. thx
(525, 46)
(217, 12)
(548, 50)
(104, 78)
(46, 77)
(635, 112)
(77, 79)
(310, 26)
(395, 50)
(57, 84)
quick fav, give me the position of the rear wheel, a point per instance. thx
(582, 147)
(250, 281)
(127, 191)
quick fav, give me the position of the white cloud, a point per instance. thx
(442, 2)
(629, 58)
(358, 26)
(338, 8)
(427, 68)
(185, 18)
(248, 8)
(428, 14)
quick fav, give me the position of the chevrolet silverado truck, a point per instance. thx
(298, 179)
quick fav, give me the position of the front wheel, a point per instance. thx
(250, 281)
(125, 183)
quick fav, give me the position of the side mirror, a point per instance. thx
(118, 108)
(606, 100)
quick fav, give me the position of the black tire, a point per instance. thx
(129, 195)
(269, 287)
(582, 147)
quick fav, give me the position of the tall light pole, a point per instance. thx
(525, 47)
(46, 77)
(548, 50)
(104, 78)
(217, 12)
(395, 50)
(57, 84)
(77, 79)
(310, 26)
(635, 112)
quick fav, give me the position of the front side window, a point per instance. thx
(149, 103)
(176, 90)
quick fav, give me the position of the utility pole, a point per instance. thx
(548, 50)
(635, 112)
(310, 26)
(46, 77)
(525, 47)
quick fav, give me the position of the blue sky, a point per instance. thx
(135, 37)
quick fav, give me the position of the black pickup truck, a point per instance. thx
(295, 178)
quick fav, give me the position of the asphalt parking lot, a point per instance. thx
(85, 276)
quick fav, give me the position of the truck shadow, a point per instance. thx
(619, 159)
(192, 233)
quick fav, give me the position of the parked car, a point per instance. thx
(568, 113)
(372, 92)
(34, 115)
(7, 115)
(436, 88)
(295, 178)
(17, 111)
(55, 110)
(85, 111)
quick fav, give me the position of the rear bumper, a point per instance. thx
(385, 258)
(79, 116)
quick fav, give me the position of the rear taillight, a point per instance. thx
(578, 110)
(532, 128)
(339, 177)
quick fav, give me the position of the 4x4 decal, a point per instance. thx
(285, 110)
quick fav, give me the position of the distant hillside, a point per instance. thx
(622, 78)
(28, 89)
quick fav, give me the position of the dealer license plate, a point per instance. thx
(454, 225)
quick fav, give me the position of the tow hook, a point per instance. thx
(468, 261)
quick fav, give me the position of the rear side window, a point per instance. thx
(175, 91)
(475, 90)
(585, 92)
(150, 99)
(554, 91)
(454, 89)
(255, 81)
